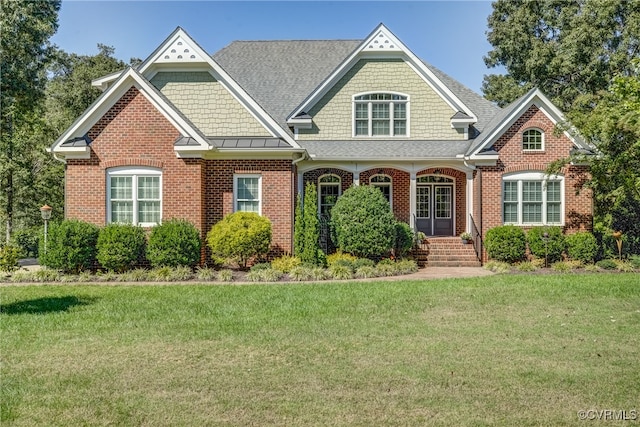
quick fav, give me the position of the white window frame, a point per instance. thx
(235, 190)
(391, 103)
(327, 184)
(521, 177)
(383, 184)
(532, 150)
(134, 173)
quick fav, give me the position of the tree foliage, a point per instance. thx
(310, 245)
(565, 48)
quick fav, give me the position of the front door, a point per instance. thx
(434, 208)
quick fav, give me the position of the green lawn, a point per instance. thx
(501, 350)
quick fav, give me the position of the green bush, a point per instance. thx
(311, 227)
(120, 246)
(71, 246)
(239, 237)
(607, 264)
(363, 262)
(635, 261)
(285, 263)
(174, 243)
(363, 223)
(582, 246)
(506, 243)
(554, 246)
(340, 272)
(340, 257)
(9, 256)
(27, 239)
(404, 239)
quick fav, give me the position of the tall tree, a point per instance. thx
(26, 27)
(565, 48)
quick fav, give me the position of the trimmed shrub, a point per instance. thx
(9, 256)
(120, 246)
(404, 239)
(363, 262)
(174, 243)
(582, 246)
(635, 261)
(506, 243)
(311, 227)
(71, 246)
(27, 239)
(239, 237)
(298, 228)
(285, 263)
(340, 257)
(363, 223)
(554, 246)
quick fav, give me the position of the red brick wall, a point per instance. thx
(345, 177)
(400, 181)
(277, 195)
(133, 133)
(578, 207)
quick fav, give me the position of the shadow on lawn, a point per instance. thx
(44, 305)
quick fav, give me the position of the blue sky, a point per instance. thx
(448, 34)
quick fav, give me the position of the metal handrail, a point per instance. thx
(477, 239)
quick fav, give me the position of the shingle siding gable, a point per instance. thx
(207, 104)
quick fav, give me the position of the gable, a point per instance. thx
(208, 104)
(429, 114)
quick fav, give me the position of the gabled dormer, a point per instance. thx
(382, 90)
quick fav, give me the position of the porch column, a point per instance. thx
(412, 199)
(356, 178)
(301, 184)
(469, 201)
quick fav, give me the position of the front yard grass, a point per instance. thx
(500, 350)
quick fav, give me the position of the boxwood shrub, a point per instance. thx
(239, 237)
(404, 239)
(71, 246)
(554, 246)
(363, 223)
(174, 243)
(121, 246)
(506, 243)
(582, 246)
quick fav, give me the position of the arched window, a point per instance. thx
(380, 114)
(532, 198)
(134, 195)
(329, 190)
(383, 182)
(533, 140)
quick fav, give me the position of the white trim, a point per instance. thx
(530, 176)
(134, 173)
(235, 190)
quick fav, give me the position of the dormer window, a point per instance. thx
(533, 140)
(380, 114)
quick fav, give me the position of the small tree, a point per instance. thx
(174, 243)
(240, 236)
(120, 246)
(71, 246)
(506, 243)
(311, 224)
(298, 229)
(363, 222)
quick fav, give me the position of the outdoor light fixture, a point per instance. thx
(45, 211)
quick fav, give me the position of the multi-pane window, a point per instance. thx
(383, 183)
(532, 198)
(532, 139)
(247, 193)
(134, 196)
(380, 114)
(330, 189)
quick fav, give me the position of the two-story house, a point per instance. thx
(194, 136)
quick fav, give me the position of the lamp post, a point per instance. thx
(46, 216)
(545, 237)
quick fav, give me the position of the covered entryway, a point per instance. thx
(434, 205)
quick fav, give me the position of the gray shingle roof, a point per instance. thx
(385, 149)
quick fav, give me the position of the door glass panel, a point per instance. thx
(422, 202)
(443, 202)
